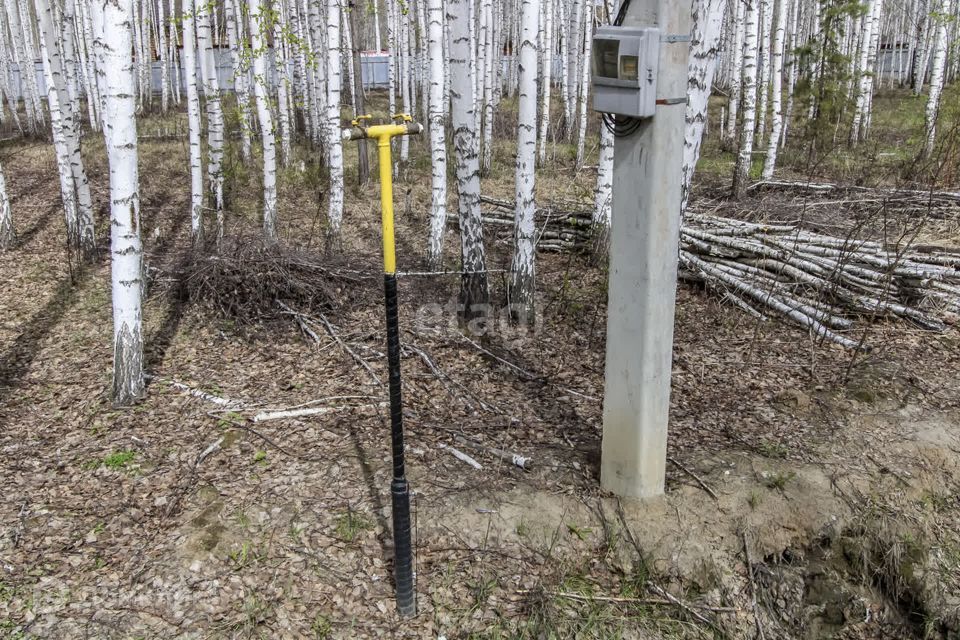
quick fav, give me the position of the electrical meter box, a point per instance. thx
(625, 62)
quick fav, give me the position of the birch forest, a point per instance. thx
(194, 404)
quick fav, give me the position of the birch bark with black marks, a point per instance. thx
(8, 236)
(74, 186)
(23, 58)
(214, 106)
(241, 77)
(736, 80)
(773, 144)
(936, 77)
(741, 173)
(258, 22)
(193, 121)
(546, 77)
(584, 85)
(488, 59)
(865, 77)
(474, 290)
(438, 145)
(334, 139)
(113, 22)
(523, 266)
(282, 71)
(706, 28)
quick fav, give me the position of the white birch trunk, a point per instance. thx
(438, 145)
(405, 87)
(215, 132)
(741, 173)
(175, 60)
(283, 84)
(584, 86)
(936, 77)
(706, 27)
(63, 122)
(921, 54)
(241, 76)
(24, 60)
(164, 62)
(8, 236)
(573, 25)
(114, 25)
(864, 79)
(261, 93)
(488, 58)
(85, 40)
(763, 69)
(776, 68)
(794, 71)
(546, 77)
(474, 291)
(193, 121)
(736, 80)
(334, 141)
(522, 267)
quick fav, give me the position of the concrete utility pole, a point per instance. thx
(643, 267)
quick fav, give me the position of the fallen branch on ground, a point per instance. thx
(657, 602)
(460, 455)
(265, 416)
(703, 485)
(506, 456)
(226, 403)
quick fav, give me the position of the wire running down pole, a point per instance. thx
(399, 488)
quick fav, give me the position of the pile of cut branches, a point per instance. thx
(935, 204)
(559, 226)
(820, 282)
(244, 280)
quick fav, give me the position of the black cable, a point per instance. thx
(621, 126)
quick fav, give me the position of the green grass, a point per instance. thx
(351, 524)
(116, 461)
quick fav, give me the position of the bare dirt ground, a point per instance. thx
(829, 497)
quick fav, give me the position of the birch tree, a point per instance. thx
(23, 58)
(865, 78)
(241, 86)
(334, 141)
(278, 21)
(474, 290)
(741, 173)
(438, 145)
(522, 267)
(8, 236)
(74, 188)
(488, 60)
(113, 21)
(588, 16)
(736, 80)
(706, 27)
(258, 22)
(546, 76)
(214, 107)
(193, 121)
(936, 77)
(773, 144)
